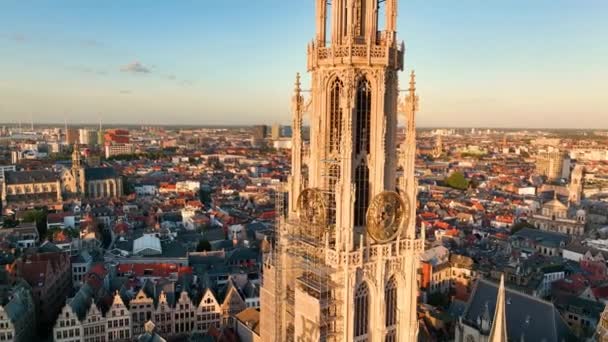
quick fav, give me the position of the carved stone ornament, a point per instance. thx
(385, 216)
(312, 212)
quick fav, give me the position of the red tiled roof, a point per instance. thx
(505, 218)
(153, 270)
(428, 215)
(267, 215)
(600, 292)
(452, 232)
(34, 272)
(442, 225)
(56, 217)
(121, 228)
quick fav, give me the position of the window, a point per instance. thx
(361, 18)
(335, 117)
(361, 312)
(390, 297)
(333, 175)
(363, 109)
(362, 193)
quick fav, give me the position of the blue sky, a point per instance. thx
(515, 63)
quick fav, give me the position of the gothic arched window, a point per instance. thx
(304, 175)
(390, 302)
(362, 193)
(333, 177)
(363, 109)
(335, 116)
(361, 17)
(361, 312)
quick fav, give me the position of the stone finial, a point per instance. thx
(412, 82)
(117, 299)
(298, 84)
(149, 327)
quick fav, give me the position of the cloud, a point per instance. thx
(135, 67)
(125, 92)
(186, 82)
(91, 43)
(16, 37)
(89, 70)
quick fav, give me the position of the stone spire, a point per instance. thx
(78, 186)
(76, 156)
(499, 324)
(408, 159)
(295, 180)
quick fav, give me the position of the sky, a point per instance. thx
(479, 63)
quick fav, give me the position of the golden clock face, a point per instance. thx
(385, 216)
(311, 207)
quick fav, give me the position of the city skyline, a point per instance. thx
(479, 64)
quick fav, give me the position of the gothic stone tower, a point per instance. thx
(344, 264)
(77, 171)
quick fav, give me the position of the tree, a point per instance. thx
(438, 299)
(39, 217)
(106, 235)
(10, 222)
(203, 246)
(521, 225)
(457, 181)
(205, 196)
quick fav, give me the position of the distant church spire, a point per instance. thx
(499, 324)
(77, 170)
(76, 156)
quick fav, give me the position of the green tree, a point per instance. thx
(10, 222)
(457, 181)
(39, 217)
(205, 196)
(521, 225)
(203, 245)
(438, 299)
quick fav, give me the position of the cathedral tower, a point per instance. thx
(77, 171)
(345, 261)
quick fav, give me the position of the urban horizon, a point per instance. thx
(26, 125)
(212, 193)
(479, 64)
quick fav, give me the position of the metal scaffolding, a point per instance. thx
(299, 260)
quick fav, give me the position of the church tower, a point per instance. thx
(575, 188)
(77, 171)
(345, 260)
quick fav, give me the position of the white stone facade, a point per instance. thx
(339, 283)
